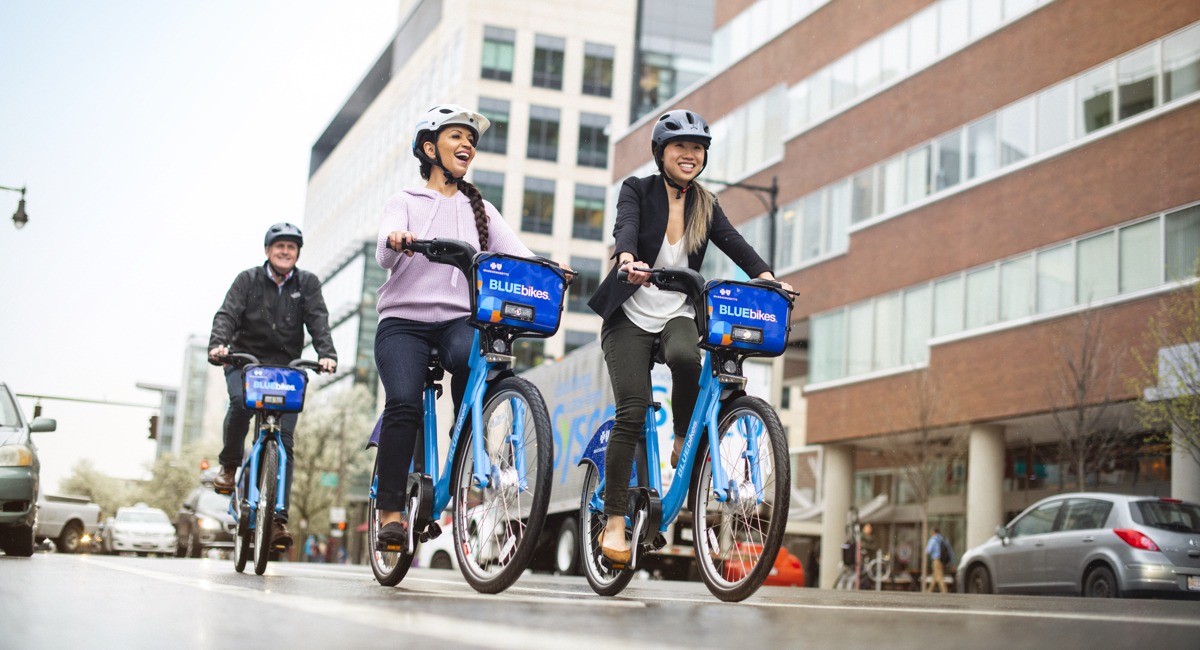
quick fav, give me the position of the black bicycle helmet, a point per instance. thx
(679, 124)
(284, 231)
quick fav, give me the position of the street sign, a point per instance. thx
(329, 479)
(337, 514)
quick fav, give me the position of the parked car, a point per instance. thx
(786, 572)
(1092, 544)
(203, 522)
(19, 475)
(140, 529)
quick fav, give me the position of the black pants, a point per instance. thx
(627, 349)
(402, 356)
(237, 422)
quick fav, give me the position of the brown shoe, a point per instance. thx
(617, 557)
(223, 483)
(279, 534)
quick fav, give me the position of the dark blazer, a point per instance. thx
(641, 224)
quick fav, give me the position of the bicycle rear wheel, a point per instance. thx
(496, 528)
(268, 483)
(736, 541)
(605, 582)
(389, 567)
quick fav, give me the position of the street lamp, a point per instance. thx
(769, 197)
(19, 217)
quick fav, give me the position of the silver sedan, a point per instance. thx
(1092, 544)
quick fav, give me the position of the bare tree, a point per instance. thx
(1169, 381)
(922, 456)
(1081, 394)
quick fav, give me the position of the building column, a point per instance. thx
(985, 482)
(1185, 473)
(837, 489)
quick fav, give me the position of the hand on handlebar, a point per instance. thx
(636, 272)
(398, 240)
(328, 366)
(215, 354)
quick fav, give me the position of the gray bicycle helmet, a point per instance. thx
(286, 232)
(679, 124)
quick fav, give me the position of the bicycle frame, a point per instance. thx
(708, 407)
(268, 426)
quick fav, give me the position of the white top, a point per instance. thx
(650, 308)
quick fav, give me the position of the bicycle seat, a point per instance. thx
(435, 358)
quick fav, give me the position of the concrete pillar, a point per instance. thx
(837, 488)
(1185, 473)
(985, 482)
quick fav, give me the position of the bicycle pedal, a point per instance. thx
(225, 492)
(389, 548)
(434, 531)
(609, 565)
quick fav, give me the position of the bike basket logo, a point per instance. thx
(749, 313)
(272, 385)
(514, 288)
(496, 266)
(726, 292)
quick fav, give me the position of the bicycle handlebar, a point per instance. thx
(691, 283)
(243, 359)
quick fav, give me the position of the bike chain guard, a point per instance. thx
(647, 515)
(420, 495)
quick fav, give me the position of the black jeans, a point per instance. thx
(402, 356)
(627, 350)
(237, 423)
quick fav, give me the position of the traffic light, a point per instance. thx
(154, 427)
(37, 410)
(341, 525)
(203, 464)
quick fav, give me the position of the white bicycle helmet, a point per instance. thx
(443, 115)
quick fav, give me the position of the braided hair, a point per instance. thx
(472, 193)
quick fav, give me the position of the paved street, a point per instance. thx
(59, 601)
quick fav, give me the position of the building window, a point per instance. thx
(1053, 117)
(573, 340)
(584, 284)
(1137, 76)
(543, 133)
(491, 186)
(1141, 256)
(1055, 279)
(529, 353)
(548, 61)
(537, 209)
(1094, 95)
(1182, 240)
(1016, 288)
(949, 160)
(498, 49)
(863, 199)
(918, 324)
(1181, 64)
(1095, 268)
(593, 140)
(981, 297)
(495, 139)
(1016, 132)
(598, 69)
(948, 306)
(588, 220)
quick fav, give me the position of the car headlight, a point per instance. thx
(208, 523)
(16, 456)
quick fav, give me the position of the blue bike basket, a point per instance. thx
(519, 293)
(748, 317)
(269, 388)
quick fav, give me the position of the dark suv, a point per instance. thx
(203, 522)
(18, 475)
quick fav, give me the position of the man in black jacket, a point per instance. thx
(264, 314)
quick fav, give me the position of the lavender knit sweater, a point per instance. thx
(417, 289)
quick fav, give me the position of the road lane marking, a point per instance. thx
(422, 624)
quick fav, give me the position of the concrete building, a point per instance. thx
(554, 91)
(976, 195)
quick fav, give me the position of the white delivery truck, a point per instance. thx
(578, 396)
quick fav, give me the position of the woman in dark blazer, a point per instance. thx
(663, 220)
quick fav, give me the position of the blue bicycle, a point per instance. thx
(260, 488)
(499, 473)
(734, 462)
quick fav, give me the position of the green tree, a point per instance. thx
(172, 478)
(1169, 377)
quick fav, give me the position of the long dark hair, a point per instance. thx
(472, 193)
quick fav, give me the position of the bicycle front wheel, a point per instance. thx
(736, 540)
(496, 528)
(241, 540)
(268, 483)
(603, 581)
(389, 567)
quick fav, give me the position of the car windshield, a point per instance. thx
(143, 517)
(1168, 515)
(8, 410)
(212, 502)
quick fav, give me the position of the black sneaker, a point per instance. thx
(392, 538)
(280, 537)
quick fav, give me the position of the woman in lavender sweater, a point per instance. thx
(422, 304)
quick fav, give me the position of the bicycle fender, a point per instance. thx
(597, 447)
(373, 441)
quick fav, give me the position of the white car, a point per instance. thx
(438, 553)
(140, 529)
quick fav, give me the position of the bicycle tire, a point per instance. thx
(241, 540)
(268, 483)
(604, 582)
(736, 542)
(496, 530)
(389, 568)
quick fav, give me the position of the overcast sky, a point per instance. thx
(158, 141)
